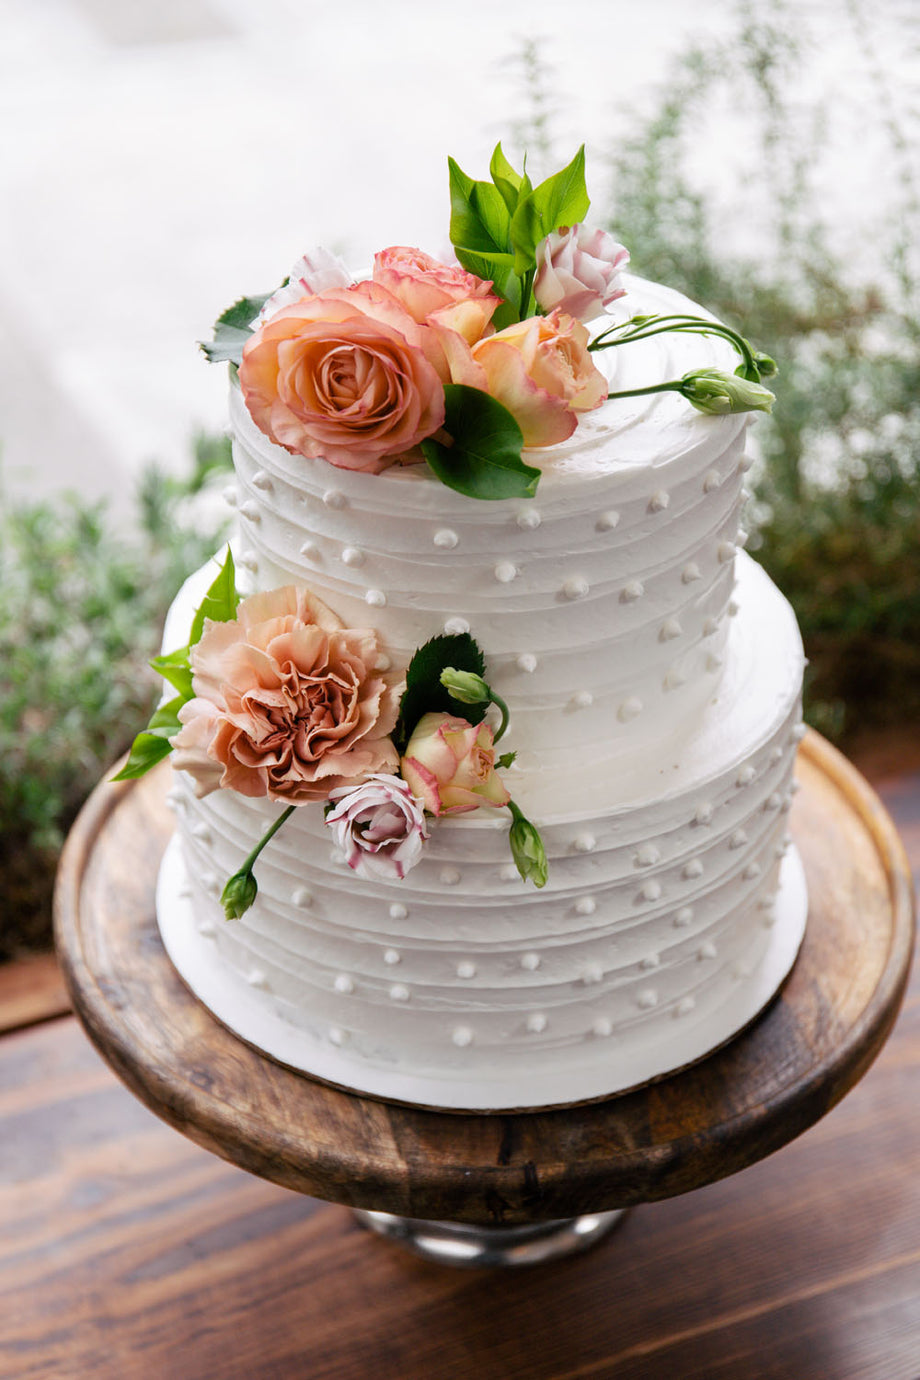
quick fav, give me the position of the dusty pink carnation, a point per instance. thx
(450, 765)
(579, 271)
(287, 702)
(343, 376)
(379, 826)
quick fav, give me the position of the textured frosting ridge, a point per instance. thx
(654, 676)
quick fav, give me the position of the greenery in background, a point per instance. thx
(81, 613)
(835, 517)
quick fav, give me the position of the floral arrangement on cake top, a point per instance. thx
(276, 699)
(460, 365)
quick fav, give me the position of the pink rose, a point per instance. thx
(540, 369)
(450, 765)
(423, 285)
(287, 702)
(579, 271)
(315, 272)
(343, 376)
(454, 308)
(379, 826)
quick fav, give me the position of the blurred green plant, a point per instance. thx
(81, 612)
(835, 515)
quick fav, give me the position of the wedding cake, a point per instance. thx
(647, 673)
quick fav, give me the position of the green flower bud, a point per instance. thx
(527, 848)
(766, 366)
(239, 894)
(465, 686)
(715, 392)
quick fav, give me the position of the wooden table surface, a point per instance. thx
(126, 1251)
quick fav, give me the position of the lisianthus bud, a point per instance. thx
(239, 894)
(766, 367)
(527, 848)
(715, 392)
(465, 686)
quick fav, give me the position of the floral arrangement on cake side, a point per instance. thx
(276, 699)
(461, 366)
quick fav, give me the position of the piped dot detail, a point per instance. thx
(632, 591)
(527, 663)
(445, 539)
(683, 917)
(607, 521)
(352, 556)
(302, 898)
(466, 969)
(399, 992)
(398, 911)
(375, 598)
(505, 572)
(629, 709)
(462, 1036)
(536, 1023)
(344, 984)
(334, 498)
(575, 587)
(659, 501)
(455, 626)
(530, 962)
(690, 573)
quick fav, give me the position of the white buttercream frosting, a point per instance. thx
(655, 735)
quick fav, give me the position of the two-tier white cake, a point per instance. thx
(654, 675)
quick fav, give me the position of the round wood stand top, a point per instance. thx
(768, 1085)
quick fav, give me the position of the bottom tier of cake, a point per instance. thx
(675, 907)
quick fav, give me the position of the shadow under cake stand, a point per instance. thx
(501, 1188)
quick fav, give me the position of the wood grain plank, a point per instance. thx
(129, 1253)
(31, 989)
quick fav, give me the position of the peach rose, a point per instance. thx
(287, 702)
(579, 271)
(540, 369)
(449, 765)
(342, 376)
(454, 308)
(424, 285)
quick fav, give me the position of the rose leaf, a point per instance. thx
(484, 460)
(232, 329)
(561, 200)
(220, 602)
(154, 742)
(424, 693)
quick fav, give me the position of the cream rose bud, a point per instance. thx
(449, 765)
(579, 271)
(379, 826)
(542, 371)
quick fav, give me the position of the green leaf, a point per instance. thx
(467, 205)
(485, 458)
(154, 742)
(220, 602)
(488, 204)
(561, 200)
(508, 182)
(232, 329)
(499, 268)
(424, 693)
(174, 667)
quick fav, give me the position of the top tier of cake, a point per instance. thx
(601, 604)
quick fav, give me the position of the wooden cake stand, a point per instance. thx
(501, 1188)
